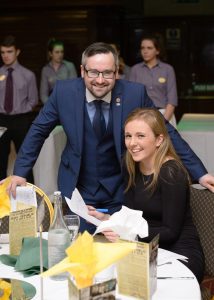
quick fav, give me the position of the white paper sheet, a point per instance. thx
(165, 256)
(25, 195)
(78, 206)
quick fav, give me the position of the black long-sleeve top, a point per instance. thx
(167, 209)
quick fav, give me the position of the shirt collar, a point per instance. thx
(14, 66)
(51, 65)
(90, 97)
(157, 64)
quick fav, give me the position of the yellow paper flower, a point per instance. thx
(85, 258)
(4, 198)
(5, 288)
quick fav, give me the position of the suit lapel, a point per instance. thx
(79, 114)
(117, 106)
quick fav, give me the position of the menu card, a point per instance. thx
(17, 289)
(137, 272)
(98, 291)
(23, 218)
(22, 223)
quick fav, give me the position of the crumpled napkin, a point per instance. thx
(85, 258)
(127, 223)
(4, 198)
(28, 262)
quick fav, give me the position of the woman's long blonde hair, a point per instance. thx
(155, 120)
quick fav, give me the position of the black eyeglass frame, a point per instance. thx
(97, 73)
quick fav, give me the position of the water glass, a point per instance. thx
(73, 224)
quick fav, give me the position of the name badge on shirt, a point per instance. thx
(162, 79)
(2, 77)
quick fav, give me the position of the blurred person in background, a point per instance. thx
(18, 97)
(56, 69)
(123, 72)
(157, 76)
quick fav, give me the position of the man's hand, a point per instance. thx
(15, 181)
(207, 181)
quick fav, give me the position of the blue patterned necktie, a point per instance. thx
(98, 120)
(8, 100)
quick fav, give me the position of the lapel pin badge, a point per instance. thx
(117, 101)
(2, 77)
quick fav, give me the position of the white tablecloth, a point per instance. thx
(198, 131)
(46, 167)
(167, 289)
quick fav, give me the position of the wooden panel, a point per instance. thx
(33, 29)
(57, 3)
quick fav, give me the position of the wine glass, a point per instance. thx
(73, 224)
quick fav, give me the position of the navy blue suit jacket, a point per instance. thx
(66, 105)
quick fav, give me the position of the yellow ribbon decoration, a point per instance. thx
(4, 198)
(85, 258)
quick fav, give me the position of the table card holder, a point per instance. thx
(103, 290)
(22, 223)
(23, 217)
(137, 272)
(17, 290)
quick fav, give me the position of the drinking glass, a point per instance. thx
(73, 224)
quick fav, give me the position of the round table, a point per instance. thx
(167, 289)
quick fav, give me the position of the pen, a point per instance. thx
(181, 277)
(103, 210)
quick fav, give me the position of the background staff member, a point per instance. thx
(157, 76)
(18, 96)
(56, 69)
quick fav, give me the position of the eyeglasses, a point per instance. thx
(105, 74)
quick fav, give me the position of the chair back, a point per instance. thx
(45, 211)
(202, 206)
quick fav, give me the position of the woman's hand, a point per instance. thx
(98, 215)
(111, 235)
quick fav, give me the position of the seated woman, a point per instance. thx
(158, 184)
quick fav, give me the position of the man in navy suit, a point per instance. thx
(92, 163)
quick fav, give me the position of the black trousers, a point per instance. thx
(17, 127)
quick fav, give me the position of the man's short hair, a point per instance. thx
(99, 48)
(9, 41)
